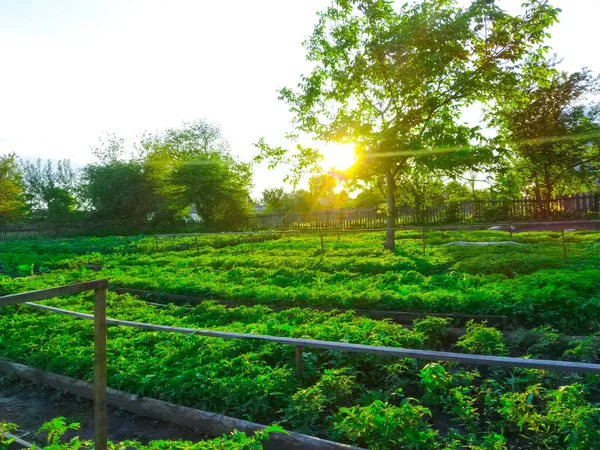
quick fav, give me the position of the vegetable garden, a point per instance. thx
(366, 400)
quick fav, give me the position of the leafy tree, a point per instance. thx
(218, 186)
(393, 79)
(50, 190)
(193, 165)
(342, 200)
(300, 201)
(276, 200)
(60, 203)
(109, 150)
(12, 198)
(370, 197)
(321, 188)
(554, 135)
(457, 192)
(420, 188)
(118, 190)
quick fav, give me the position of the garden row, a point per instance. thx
(530, 283)
(361, 399)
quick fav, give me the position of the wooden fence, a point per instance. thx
(575, 207)
(481, 211)
(99, 317)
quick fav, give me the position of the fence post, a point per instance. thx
(442, 233)
(322, 247)
(251, 244)
(100, 419)
(564, 244)
(423, 231)
(338, 237)
(298, 361)
(197, 247)
(156, 241)
(510, 230)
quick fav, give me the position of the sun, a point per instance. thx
(338, 156)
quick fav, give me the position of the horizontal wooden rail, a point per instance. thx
(45, 294)
(430, 355)
(17, 442)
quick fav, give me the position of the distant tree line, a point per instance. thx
(164, 179)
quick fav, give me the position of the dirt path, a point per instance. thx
(29, 406)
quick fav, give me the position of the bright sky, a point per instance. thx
(74, 69)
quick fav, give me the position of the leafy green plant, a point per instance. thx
(482, 340)
(434, 328)
(380, 426)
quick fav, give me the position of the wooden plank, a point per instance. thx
(201, 421)
(298, 361)
(44, 294)
(429, 355)
(17, 442)
(100, 376)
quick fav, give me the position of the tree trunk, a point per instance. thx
(538, 200)
(390, 235)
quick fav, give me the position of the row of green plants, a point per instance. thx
(366, 400)
(55, 431)
(531, 283)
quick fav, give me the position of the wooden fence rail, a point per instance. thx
(577, 206)
(430, 355)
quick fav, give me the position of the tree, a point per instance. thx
(370, 197)
(275, 200)
(554, 136)
(420, 188)
(321, 188)
(12, 198)
(218, 186)
(193, 165)
(50, 190)
(118, 190)
(392, 80)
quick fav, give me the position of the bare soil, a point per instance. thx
(29, 406)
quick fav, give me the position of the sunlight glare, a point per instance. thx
(338, 156)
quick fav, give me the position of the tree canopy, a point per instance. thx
(554, 136)
(393, 80)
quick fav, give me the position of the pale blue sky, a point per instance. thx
(72, 70)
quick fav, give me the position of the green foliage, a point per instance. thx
(482, 340)
(553, 135)
(433, 328)
(12, 199)
(310, 406)
(58, 426)
(118, 190)
(384, 426)
(558, 418)
(436, 382)
(50, 191)
(395, 92)
(275, 200)
(255, 380)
